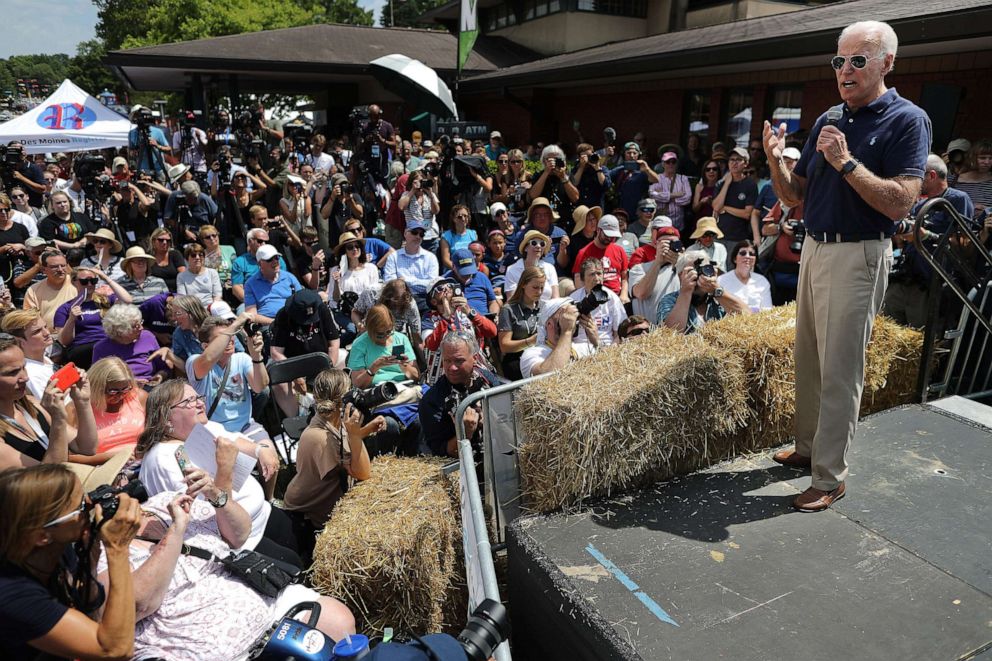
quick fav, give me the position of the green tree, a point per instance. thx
(337, 11)
(406, 12)
(87, 71)
(119, 19)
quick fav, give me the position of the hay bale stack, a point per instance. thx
(763, 343)
(892, 366)
(392, 549)
(630, 414)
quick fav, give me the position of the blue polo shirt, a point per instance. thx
(890, 136)
(244, 266)
(270, 297)
(377, 248)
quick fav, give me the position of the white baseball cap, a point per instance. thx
(610, 226)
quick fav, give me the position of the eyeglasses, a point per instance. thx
(711, 169)
(118, 391)
(536, 243)
(211, 236)
(516, 161)
(352, 246)
(857, 61)
(18, 196)
(4, 209)
(68, 517)
(49, 181)
(190, 402)
(164, 239)
(100, 242)
(709, 235)
(747, 253)
(417, 232)
(87, 281)
(461, 216)
(195, 255)
(502, 160)
(381, 336)
(646, 209)
(638, 331)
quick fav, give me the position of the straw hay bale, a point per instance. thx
(392, 549)
(626, 416)
(668, 404)
(892, 366)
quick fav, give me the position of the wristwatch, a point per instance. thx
(718, 292)
(221, 500)
(369, 372)
(849, 166)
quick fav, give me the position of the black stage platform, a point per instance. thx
(717, 565)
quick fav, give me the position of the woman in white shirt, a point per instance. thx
(357, 275)
(198, 280)
(752, 288)
(534, 247)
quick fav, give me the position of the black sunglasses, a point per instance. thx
(88, 281)
(638, 331)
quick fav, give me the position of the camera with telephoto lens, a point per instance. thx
(593, 158)
(143, 117)
(367, 399)
(89, 169)
(596, 297)
(347, 189)
(427, 183)
(704, 270)
(799, 235)
(11, 156)
(432, 170)
(675, 245)
(108, 497)
(188, 117)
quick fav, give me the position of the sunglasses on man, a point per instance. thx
(857, 61)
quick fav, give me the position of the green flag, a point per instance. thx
(468, 31)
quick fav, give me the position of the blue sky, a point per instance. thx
(56, 26)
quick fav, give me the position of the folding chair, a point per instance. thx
(286, 371)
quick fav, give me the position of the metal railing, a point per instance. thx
(958, 360)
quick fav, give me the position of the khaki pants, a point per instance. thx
(841, 287)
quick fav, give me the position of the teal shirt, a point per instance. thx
(364, 352)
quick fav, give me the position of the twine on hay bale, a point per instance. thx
(392, 549)
(628, 415)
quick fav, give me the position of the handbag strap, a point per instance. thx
(220, 391)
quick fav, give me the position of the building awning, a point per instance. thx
(295, 59)
(799, 38)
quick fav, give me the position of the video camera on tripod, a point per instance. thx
(90, 171)
(10, 157)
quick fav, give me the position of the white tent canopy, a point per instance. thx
(68, 120)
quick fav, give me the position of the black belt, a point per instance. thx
(835, 237)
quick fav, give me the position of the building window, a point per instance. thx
(785, 105)
(631, 8)
(697, 115)
(500, 16)
(737, 122)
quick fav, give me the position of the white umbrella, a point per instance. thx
(416, 83)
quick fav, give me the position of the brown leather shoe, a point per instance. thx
(816, 500)
(791, 458)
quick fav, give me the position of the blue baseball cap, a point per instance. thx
(464, 261)
(415, 225)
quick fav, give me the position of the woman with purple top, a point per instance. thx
(79, 322)
(127, 339)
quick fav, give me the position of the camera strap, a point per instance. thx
(220, 390)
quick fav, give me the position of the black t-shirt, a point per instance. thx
(130, 218)
(16, 234)
(27, 612)
(71, 230)
(741, 194)
(35, 174)
(170, 270)
(298, 340)
(591, 192)
(377, 155)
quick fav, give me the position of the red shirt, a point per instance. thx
(614, 263)
(644, 254)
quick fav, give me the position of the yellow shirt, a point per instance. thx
(46, 299)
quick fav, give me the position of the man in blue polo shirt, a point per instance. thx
(266, 291)
(244, 266)
(860, 170)
(477, 288)
(157, 144)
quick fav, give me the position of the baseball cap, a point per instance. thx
(303, 307)
(36, 242)
(221, 309)
(119, 162)
(550, 308)
(265, 253)
(415, 225)
(495, 134)
(610, 226)
(496, 206)
(791, 152)
(647, 202)
(464, 261)
(632, 145)
(740, 151)
(660, 221)
(958, 144)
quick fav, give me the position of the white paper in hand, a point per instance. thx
(201, 447)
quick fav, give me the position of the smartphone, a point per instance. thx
(398, 352)
(631, 165)
(66, 377)
(182, 458)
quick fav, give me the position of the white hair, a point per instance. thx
(689, 257)
(936, 163)
(875, 32)
(455, 338)
(552, 151)
(254, 232)
(119, 319)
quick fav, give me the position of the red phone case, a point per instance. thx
(66, 377)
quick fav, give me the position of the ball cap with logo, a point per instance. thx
(464, 261)
(303, 307)
(610, 226)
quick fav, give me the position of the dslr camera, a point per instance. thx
(367, 399)
(798, 228)
(704, 270)
(109, 498)
(596, 297)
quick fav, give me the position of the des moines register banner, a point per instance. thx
(468, 31)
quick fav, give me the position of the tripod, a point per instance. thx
(145, 152)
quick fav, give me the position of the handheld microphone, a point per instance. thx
(834, 116)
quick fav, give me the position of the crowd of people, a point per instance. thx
(164, 279)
